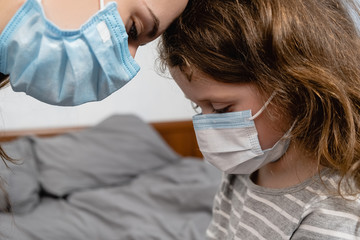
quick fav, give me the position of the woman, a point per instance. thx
(49, 60)
(50, 78)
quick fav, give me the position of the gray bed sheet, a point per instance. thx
(117, 180)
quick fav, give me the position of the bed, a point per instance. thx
(121, 179)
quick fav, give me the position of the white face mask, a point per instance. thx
(229, 141)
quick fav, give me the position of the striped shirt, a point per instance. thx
(244, 210)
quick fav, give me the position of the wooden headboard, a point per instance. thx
(179, 135)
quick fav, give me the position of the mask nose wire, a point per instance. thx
(101, 4)
(263, 107)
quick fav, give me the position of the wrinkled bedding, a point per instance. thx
(116, 180)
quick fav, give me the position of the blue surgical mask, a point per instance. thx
(229, 141)
(66, 68)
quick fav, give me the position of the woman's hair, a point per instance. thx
(4, 80)
(306, 51)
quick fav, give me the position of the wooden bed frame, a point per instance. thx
(179, 135)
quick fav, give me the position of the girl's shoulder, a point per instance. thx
(309, 210)
(330, 217)
(331, 204)
(317, 206)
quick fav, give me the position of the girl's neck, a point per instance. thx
(293, 168)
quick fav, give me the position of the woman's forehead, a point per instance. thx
(166, 10)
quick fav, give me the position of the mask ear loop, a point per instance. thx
(195, 107)
(263, 107)
(101, 4)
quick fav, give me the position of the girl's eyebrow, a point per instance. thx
(156, 24)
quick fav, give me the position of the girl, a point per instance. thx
(278, 84)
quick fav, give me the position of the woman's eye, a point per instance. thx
(222, 110)
(133, 33)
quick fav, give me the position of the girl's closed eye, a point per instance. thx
(222, 110)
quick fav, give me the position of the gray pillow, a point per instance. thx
(111, 153)
(20, 180)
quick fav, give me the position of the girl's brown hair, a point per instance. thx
(306, 51)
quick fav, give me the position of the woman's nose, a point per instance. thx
(133, 48)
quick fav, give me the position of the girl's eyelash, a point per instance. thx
(222, 110)
(133, 33)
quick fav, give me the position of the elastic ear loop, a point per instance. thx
(263, 107)
(195, 107)
(101, 4)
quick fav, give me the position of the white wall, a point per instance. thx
(149, 95)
